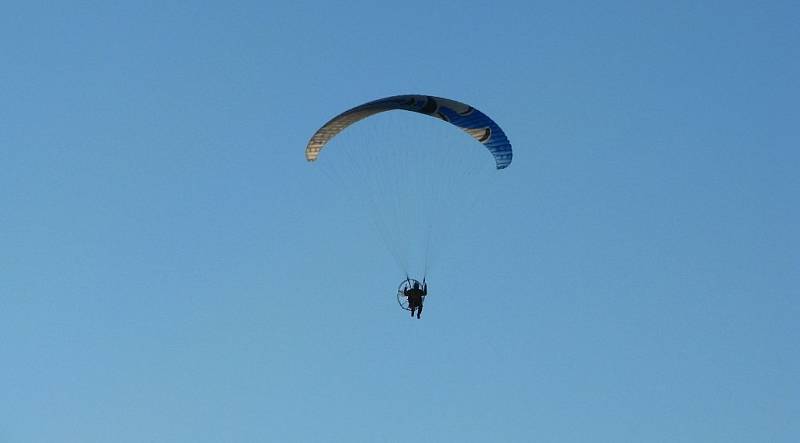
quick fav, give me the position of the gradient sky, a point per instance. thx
(172, 270)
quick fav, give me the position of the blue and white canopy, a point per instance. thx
(472, 121)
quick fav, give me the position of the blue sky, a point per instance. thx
(171, 269)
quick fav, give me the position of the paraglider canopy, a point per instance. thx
(472, 121)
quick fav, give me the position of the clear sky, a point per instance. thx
(172, 270)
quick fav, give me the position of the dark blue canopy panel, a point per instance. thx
(472, 121)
